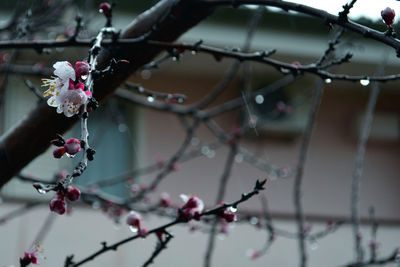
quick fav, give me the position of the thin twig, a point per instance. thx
(220, 196)
(160, 247)
(216, 211)
(359, 163)
(297, 193)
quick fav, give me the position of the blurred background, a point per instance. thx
(127, 136)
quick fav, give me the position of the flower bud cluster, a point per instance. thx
(58, 203)
(70, 147)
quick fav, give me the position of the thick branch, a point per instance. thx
(166, 21)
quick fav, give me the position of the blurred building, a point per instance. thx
(129, 136)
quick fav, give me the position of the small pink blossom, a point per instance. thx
(59, 152)
(82, 69)
(133, 219)
(65, 92)
(228, 215)
(57, 204)
(165, 200)
(192, 208)
(30, 257)
(72, 146)
(105, 8)
(73, 193)
(388, 15)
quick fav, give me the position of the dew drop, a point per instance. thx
(211, 154)
(285, 70)
(150, 98)
(122, 127)
(328, 80)
(41, 191)
(254, 220)
(205, 150)
(96, 205)
(233, 209)
(259, 99)
(272, 175)
(364, 82)
(145, 74)
(239, 158)
(69, 155)
(195, 141)
(133, 229)
(313, 244)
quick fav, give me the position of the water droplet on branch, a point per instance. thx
(364, 82)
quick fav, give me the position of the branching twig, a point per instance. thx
(297, 193)
(160, 247)
(359, 163)
(216, 211)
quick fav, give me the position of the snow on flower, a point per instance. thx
(65, 91)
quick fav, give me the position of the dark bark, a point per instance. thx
(166, 21)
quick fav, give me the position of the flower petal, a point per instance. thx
(64, 70)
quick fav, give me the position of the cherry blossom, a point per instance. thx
(66, 93)
(133, 219)
(32, 255)
(192, 208)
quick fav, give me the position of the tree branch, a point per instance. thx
(32, 135)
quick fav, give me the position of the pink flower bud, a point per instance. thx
(143, 232)
(105, 8)
(73, 193)
(57, 204)
(133, 219)
(192, 208)
(388, 15)
(59, 152)
(72, 146)
(228, 215)
(165, 200)
(30, 257)
(192, 203)
(82, 68)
